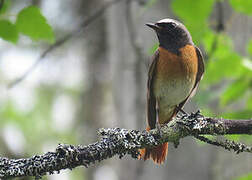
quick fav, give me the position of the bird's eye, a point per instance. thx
(167, 25)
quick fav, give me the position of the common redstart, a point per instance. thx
(174, 75)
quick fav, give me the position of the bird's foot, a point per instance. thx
(196, 114)
(184, 114)
(158, 126)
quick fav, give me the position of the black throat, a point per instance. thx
(173, 41)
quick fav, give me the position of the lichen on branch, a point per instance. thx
(117, 141)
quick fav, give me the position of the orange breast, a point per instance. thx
(174, 79)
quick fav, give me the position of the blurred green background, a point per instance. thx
(97, 78)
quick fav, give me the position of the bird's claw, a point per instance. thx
(158, 126)
(182, 111)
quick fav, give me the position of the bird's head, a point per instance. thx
(171, 33)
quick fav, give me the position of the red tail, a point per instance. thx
(157, 154)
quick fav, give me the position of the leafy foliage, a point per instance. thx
(29, 22)
(194, 20)
(32, 23)
(5, 6)
(8, 31)
(223, 56)
(243, 6)
(236, 90)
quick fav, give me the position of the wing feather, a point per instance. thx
(151, 100)
(199, 76)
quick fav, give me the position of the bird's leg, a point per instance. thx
(181, 110)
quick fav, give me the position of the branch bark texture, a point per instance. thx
(116, 141)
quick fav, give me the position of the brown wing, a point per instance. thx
(199, 76)
(151, 100)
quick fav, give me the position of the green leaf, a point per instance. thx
(249, 47)
(32, 23)
(228, 65)
(235, 91)
(185, 9)
(224, 63)
(8, 31)
(195, 21)
(245, 177)
(242, 6)
(5, 6)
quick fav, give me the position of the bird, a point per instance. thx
(175, 72)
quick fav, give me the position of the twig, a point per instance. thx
(141, 57)
(1, 4)
(220, 17)
(116, 141)
(87, 21)
(228, 145)
(220, 27)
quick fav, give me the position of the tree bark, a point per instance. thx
(116, 141)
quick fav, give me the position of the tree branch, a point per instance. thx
(116, 141)
(228, 145)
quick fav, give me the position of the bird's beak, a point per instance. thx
(152, 26)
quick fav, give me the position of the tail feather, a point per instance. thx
(157, 154)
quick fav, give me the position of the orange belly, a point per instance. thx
(174, 79)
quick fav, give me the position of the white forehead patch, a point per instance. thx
(167, 20)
